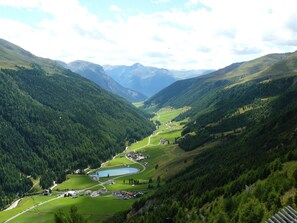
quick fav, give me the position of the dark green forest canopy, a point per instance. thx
(249, 111)
(53, 121)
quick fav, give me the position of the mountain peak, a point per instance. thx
(96, 73)
(137, 65)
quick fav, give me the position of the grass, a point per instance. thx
(138, 144)
(167, 114)
(166, 135)
(164, 161)
(36, 186)
(118, 161)
(138, 104)
(94, 209)
(76, 182)
(290, 168)
(23, 205)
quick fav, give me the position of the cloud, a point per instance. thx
(114, 8)
(209, 34)
(29, 4)
(160, 1)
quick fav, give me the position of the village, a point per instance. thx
(123, 195)
(137, 156)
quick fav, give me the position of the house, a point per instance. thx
(95, 194)
(164, 141)
(137, 194)
(111, 182)
(88, 192)
(70, 194)
(47, 192)
(126, 194)
(140, 157)
(103, 191)
(136, 156)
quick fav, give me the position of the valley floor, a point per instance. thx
(162, 161)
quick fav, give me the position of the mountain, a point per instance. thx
(147, 80)
(185, 74)
(53, 121)
(95, 73)
(243, 121)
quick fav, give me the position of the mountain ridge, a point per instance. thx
(246, 114)
(96, 73)
(148, 80)
(53, 121)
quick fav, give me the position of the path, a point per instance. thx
(149, 141)
(77, 191)
(13, 205)
(54, 185)
(31, 208)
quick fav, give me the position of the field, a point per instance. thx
(94, 209)
(162, 163)
(23, 205)
(76, 182)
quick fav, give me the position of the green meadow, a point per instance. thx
(76, 182)
(94, 209)
(163, 162)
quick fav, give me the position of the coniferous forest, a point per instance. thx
(247, 112)
(53, 122)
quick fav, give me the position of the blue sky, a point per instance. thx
(175, 34)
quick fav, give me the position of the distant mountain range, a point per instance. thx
(148, 80)
(95, 73)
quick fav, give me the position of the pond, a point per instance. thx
(115, 172)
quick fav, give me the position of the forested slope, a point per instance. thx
(250, 172)
(53, 121)
(95, 73)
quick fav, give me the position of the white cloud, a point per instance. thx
(114, 8)
(191, 3)
(160, 1)
(20, 3)
(213, 36)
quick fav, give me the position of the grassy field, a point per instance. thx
(76, 182)
(23, 205)
(94, 209)
(164, 161)
(167, 114)
(138, 104)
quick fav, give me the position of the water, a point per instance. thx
(115, 172)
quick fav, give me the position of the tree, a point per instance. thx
(251, 211)
(72, 217)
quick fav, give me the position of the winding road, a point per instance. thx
(77, 191)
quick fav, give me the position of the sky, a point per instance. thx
(172, 34)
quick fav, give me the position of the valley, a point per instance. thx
(163, 162)
(155, 111)
(220, 147)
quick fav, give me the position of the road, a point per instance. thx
(13, 205)
(31, 208)
(78, 191)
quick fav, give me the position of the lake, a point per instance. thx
(115, 172)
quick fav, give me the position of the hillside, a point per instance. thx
(246, 114)
(53, 121)
(95, 73)
(147, 80)
(184, 74)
